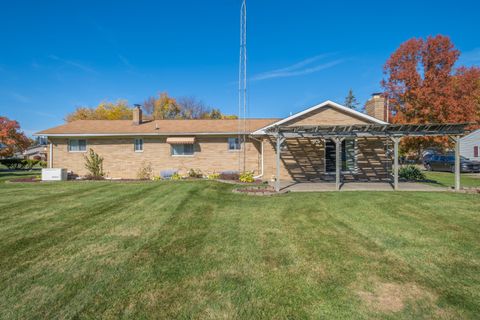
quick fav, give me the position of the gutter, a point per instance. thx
(261, 152)
(50, 165)
(66, 135)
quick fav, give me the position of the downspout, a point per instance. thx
(50, 164)
(261, 161)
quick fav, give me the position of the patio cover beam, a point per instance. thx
(369, 130)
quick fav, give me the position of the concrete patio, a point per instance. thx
(356, 186)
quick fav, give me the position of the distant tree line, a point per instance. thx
(162, 106)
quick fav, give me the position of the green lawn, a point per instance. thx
(8, 175)
(447, 179)
(196, 250)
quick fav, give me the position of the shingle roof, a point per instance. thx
(161, 127)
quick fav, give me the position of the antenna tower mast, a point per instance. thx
(242, 88)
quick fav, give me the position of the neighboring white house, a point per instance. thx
(470, 145)
(36, 152)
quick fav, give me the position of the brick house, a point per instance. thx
(214, 145)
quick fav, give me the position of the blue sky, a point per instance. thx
(56, 55)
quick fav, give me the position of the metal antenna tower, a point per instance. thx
(242, 88)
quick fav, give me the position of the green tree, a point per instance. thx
(215, 114)
(166, 107)
(94, 164)
(350, 100)
(104, 111)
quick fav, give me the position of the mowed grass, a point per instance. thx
(6, 175)
(447, 179)
(197, 250)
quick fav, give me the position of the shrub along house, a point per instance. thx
(327, 142)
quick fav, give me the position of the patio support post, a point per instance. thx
(338, 161)
(457, 162)
(277, 178)
(396, 141)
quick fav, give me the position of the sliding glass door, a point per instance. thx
(347, 154)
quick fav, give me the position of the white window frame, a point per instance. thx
(182, 155)
(78, 144)
(240, 143)
(135, 145)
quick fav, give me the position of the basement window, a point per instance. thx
(234, 144)
(138, 145)
(77, 145)
(182, 149)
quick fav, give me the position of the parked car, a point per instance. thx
(426, 158)
(446, 162)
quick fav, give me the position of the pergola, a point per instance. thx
(394, 132)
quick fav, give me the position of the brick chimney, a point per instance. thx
(376, 107)
(137, 115)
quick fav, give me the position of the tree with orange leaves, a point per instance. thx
(11, 138)
(423, 86)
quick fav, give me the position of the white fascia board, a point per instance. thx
(470, 135)
(318, 106)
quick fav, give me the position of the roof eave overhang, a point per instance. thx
(137, 134)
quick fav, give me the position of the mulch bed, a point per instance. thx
(28, 179)
(256, 182)
(262, 190)
(473, 190)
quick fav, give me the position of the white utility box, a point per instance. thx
(54, 174)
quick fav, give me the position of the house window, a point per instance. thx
(475, 151)
(234, 144)
(182, 149)
(138, 145)
(77, 145)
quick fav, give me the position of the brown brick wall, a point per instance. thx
(373, 162)
(326, 116)
(121, 161)
(375, 107)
